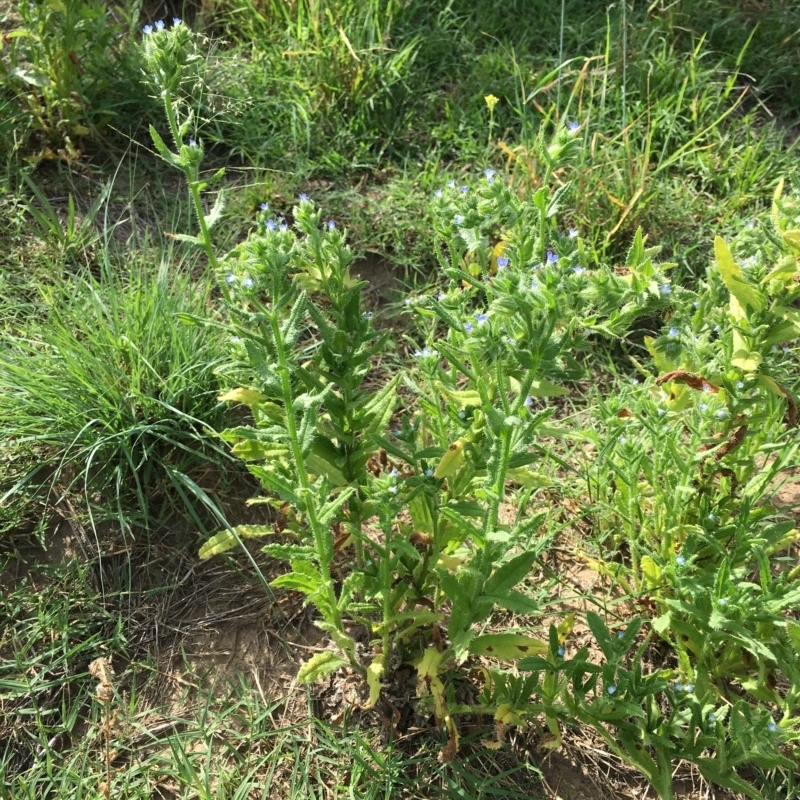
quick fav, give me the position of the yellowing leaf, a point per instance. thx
(507, 715)
(374, 674)
(744, 358)
(249, 397)
(452, 461)
(525, 476)
(733, 278)
(565, 627)
(792, 238)
(497, 252)
(651, 572)
(464, 397)
(226, 540)
(507, 646)
(320, 665)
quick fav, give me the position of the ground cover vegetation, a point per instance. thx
(399, 399)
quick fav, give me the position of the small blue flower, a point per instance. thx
(661, 412)
(464, 189)
(622, 439)
(462, 414)
(230, 278)
(573, 126)
(740, 384)
(176, 21)
(689, 687)
(393, 489)
(572, 233)
(271, 224)
(367, 315)
(441, 296)
(677, 686)
(426, 352)
(772, 727)
(578, 270)
(331, 224)
(635, 381)
(723, 601)
(621, 633)
(481, 318)
(451, 184)
(192, 142)
(552, 257)
(489, 173)
(703, 406)
(712, 518)
(428, 473)
(159, 24)
(561, 651)
(147, 29)
(673, 333)
(722, 413)
(706, 388)
(696, 304)
(612, 689)
(303, 197)
(468, 326)
(712, 717)
(534, 284)
(680, 561)
(458, 219)
(393, 472)
(665, 288)
(528, 401)
(502, 262)
(264, 206)
(247, 283)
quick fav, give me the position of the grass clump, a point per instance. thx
(110, 390)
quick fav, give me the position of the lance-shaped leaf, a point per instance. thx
(320, 665)
(228, 539)
(213, 216)
(374, 674)
(507, 646)
(733, 278)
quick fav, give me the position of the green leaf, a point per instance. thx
(543, 388)
(185, 237)
(164, 151)
(215, 214)
(601, 634)
(320, 665)
(514, 601)
(510, 574)
(793, 629)
(733, 278)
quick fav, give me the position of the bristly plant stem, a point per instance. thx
(323, 540)
(192, 172)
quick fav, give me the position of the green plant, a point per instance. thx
(387, 493)
(110, 391)
(58, 64)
